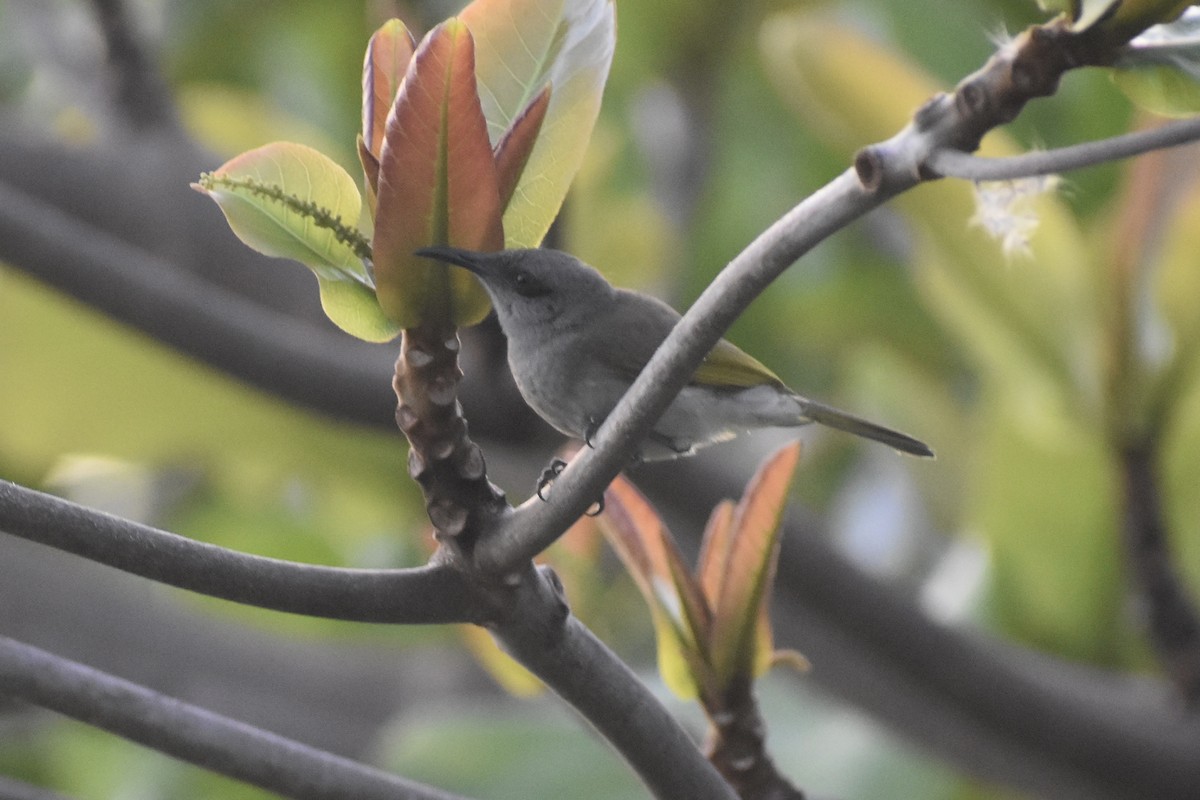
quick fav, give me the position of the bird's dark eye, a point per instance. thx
(529, 286)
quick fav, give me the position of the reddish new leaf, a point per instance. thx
(646, 547)
(714, 551)
(384, 66)
(512, 151)
(437, 185)
(750, 566)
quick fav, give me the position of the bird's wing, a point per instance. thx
(636, 326)
(648, 320)
(728, 365)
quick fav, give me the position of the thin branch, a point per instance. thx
(540, 632)
(193, 734)
(424, 595)
(957, 164)
(1172, 618)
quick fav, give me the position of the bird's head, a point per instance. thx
(535, 287)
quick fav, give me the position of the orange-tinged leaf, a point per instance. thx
(525, 45)
(514, 149)
(645, 546)
(714, 551)
(386, 61)
(750, 567)
(437, 185)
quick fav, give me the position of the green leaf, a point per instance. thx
(1160, 69)
(354, 308)
(523, 46)
(291, 201)
(437, 185)
(678, 610)
(737, 643)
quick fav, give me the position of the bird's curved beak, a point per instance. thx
(470, 260)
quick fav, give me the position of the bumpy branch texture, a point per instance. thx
(193, 734)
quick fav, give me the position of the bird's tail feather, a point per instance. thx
(833, 418)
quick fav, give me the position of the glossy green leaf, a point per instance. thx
(437, 185)
(354, 308)
(646, 547)
(523, 46)
(291, 201)
(749, 570)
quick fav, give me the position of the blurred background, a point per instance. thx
(973, 624)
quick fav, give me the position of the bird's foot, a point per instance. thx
(589, 432)
(552, 471)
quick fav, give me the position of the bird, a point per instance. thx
(576, 343)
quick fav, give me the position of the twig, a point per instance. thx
(424, 595)
(957, 164)
(193, 734)
(1173, 621)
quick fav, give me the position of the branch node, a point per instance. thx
(868, 165)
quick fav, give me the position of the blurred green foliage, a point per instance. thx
(1023, 372)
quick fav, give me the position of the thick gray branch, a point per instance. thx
(540, 632)
(431, 594)
(193, 734)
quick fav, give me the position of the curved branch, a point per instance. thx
(424, 595)
(957, 164)
(193, 734)
(540, 632)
